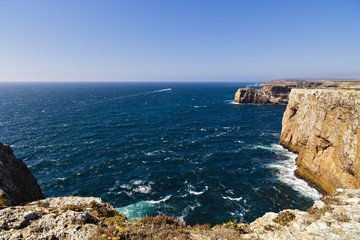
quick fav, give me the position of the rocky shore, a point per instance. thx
(322, 125)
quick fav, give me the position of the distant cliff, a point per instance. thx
(323, 126)
(277, 91)
(276, 94)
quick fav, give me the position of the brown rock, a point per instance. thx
(275, 94)
(322, 125)
(17, 184)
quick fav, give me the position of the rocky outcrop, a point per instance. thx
(17, 184)
(56, 218)
(277, 91)
(333, 217)
(276, 94)
(322, 125)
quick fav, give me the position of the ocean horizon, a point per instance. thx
(162, 148)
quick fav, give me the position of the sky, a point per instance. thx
(184, 40)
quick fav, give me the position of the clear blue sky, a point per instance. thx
(165, 40)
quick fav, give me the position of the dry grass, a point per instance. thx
(284, 218)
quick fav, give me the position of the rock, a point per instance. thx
(275, 94)
(55, 218)
(322, 125)
(17, 184)
(277, 91)
(333, 217)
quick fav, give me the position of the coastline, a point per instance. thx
(93, 219)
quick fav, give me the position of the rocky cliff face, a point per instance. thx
(276, 94)
(277, 91)
(322, 125)
(17, 184)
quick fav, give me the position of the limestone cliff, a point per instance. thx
(277, 91)
(276, 94)
(17, 184)
(322, 125)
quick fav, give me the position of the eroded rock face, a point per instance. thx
(55, 218)
(277, 91)
(275, 94)
(17, 184)
(322, 125)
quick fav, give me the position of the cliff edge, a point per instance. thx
(275, 94)
(17, 184)
(322, 125)
(277, 91)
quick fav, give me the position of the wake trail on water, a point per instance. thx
(145, 93)
(163, 90)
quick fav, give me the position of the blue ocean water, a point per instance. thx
(180, 149)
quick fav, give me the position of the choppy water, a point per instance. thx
(184, 150)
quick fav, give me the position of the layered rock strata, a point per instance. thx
(17, 184)
(276, 94)
(277, 91)
(322, 125)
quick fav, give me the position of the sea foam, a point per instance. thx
(286, 167)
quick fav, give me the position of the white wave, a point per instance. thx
(143, 189)
(272, 148)
(125, 186)
(141, 209)
(232, 199)
(187, 210)
(198, 193)
(232, 102)
(163, 90)
(286, 168)
(200, 106)
(153, 153)
(159, 201)
(137, 182)
(60, 178)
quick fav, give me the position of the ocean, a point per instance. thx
(179, 149)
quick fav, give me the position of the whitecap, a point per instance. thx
(232, 102)
(232, 199)
(159, 201)
(136, 182)
(141, 209)
(143, 189)
(198, 193)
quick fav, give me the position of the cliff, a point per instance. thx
(322, 125)
(276, 94)
(17, 184)
(277, 91)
